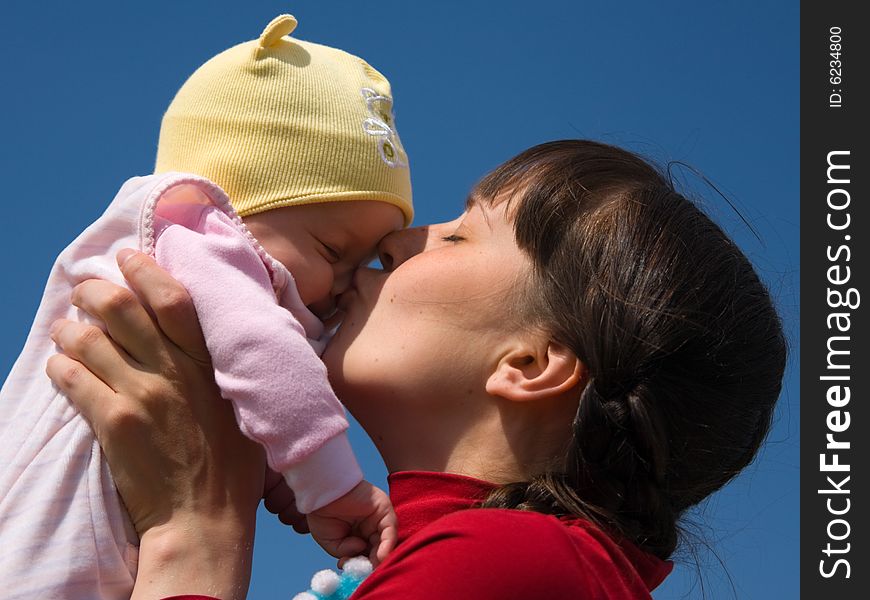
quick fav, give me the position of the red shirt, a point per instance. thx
(449, 550)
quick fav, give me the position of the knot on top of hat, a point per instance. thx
(276, 29)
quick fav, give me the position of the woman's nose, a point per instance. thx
(398, 246)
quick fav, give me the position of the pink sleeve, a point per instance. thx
(262, 360)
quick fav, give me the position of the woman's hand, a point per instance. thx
(190, 480)
(279, 500)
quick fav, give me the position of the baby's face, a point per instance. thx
(322, 244)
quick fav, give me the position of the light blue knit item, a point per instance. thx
(329, 585)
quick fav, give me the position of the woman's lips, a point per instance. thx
(345, 298)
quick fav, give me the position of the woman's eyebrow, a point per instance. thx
(472, 202)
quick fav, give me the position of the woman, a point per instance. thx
(582, 347)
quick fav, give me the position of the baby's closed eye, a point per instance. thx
(333, 253)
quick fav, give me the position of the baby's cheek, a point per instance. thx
(314, 284)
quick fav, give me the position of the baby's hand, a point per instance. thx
(361, 520)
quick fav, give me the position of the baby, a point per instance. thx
(278, 171)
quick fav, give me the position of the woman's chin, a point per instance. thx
(333, 354)
(344, 330)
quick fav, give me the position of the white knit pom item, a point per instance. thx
(325, 582)
(359, 567)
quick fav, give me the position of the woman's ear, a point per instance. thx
(536, 373)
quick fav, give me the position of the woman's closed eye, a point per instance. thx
(452, 238)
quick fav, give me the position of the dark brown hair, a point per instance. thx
(684, 349)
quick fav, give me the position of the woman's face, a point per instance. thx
(420, 338)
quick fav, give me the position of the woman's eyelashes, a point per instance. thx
(452, 238)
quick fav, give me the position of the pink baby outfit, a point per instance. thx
(63, 531)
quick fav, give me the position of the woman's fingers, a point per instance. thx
(89, 346)
(279, 500)
(83, 388)
(300, 525)
(173, 445)
(167, 299)
(295, 519)
(126, 319)
(271, 480)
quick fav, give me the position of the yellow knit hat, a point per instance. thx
(281, 122)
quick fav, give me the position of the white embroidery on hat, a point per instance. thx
(380, 125)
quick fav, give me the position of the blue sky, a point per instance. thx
(713, 84)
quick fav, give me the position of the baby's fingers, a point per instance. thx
(383, 535)
(382, 544)
(349, 547)
(336, 536)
